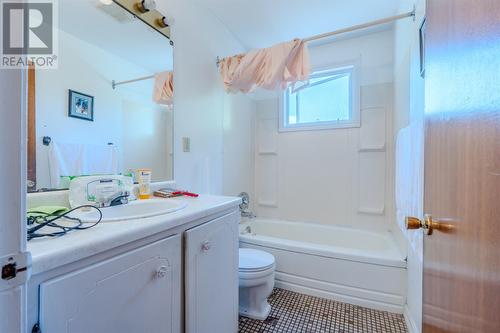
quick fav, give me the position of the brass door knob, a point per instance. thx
(428, 224)
(413, 223)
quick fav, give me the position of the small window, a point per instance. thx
(327, 101)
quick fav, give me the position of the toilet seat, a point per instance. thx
(254, 261)
(255, 276)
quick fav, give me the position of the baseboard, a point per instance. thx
(339, 297)
(377, 296)
(410, 323)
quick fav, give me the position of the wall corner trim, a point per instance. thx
(410, 322)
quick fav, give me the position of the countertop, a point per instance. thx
(50, 253)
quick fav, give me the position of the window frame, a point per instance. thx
(354, 97)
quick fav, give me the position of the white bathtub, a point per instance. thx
(348, 265)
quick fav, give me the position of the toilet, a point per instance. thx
(256, 272)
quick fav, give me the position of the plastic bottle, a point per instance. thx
(144, 179)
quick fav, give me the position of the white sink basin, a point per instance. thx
(134, 210)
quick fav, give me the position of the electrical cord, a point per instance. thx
(63, 230)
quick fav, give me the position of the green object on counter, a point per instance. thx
(44, 211)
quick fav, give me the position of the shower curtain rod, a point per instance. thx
(363, 26)
(114, 83)
(356, 27)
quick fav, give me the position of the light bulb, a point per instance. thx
(145, 6)
(149, 4)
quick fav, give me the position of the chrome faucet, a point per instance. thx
(116, 199)
(245, 203)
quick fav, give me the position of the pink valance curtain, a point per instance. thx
(270, 68)
(163, 92)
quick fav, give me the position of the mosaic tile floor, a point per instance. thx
(297, 313)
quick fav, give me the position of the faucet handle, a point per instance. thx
(124, 197)
(119, 198)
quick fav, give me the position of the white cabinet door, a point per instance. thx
(211, 276)
(137, 292)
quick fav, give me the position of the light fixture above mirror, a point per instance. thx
(145, 10)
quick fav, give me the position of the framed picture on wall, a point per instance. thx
(81, 106)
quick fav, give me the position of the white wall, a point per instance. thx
(339, 176)
(88, 69)
(409, 109)
(239, 118)
(199, 96)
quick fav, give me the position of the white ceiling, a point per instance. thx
(112, 29)
(262, 23)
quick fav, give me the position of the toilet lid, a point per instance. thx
(255, 260)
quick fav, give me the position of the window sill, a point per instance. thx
(299, 128)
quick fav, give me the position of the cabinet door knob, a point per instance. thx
(162, 272)
(205, 246)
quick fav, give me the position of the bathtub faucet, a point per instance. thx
(245, 203)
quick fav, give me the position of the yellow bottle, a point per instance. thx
(144, 179)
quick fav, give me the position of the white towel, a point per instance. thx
(70, 159)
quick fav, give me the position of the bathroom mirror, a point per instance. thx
(108, 107)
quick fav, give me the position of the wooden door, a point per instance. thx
(462, 167)
(31, 177)
(211, 276)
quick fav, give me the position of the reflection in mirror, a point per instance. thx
(108, 107)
